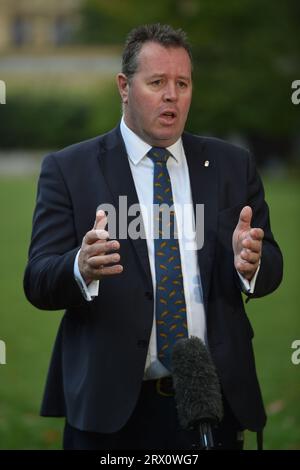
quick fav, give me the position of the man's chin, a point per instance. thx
(164, 139)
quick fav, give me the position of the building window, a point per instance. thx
(21, 31)
(62, 31)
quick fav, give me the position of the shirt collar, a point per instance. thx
(137, 148)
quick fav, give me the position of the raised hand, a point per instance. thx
(247, 245)
(96, 259)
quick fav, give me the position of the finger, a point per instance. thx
(250, 257)
(101, 220)
(247, 270)
(244, 222)
(101, 247)
(111, 270)
(102, 234)
(110, 245)
(103, 260)
(257, 233)
(252, 245)
(102, 271)
(93, 235)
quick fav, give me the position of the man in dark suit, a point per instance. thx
(106, 375)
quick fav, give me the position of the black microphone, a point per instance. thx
(197, 388)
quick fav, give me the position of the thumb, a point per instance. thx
(100, 221)
(244, 222)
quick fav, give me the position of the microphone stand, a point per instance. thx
(206, 437)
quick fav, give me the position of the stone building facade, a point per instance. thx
(37, 23)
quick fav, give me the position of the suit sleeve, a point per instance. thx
(49, 281)
(271, 267)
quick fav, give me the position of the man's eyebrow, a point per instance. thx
(184, 77)
(161, 75)
(155, 75)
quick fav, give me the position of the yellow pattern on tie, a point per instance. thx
(171, 321)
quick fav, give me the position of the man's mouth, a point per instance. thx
(169, 113)
(168, 116)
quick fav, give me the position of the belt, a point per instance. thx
(162, 386)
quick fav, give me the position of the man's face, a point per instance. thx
(156, 102)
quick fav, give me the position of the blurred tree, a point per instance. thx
(246, 55)
(109, 22)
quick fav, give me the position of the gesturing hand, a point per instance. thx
(247, 245)
(95, 254)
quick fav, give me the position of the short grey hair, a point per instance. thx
(162, 34)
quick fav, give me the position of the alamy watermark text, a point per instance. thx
(296, 94)
(295, 358)
(2, 92)
(2, 352)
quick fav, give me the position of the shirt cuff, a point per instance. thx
(90, 291)
(249, 286)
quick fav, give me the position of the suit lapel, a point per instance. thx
(203, 179)
(116, 170)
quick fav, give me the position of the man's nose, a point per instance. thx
(170, 92)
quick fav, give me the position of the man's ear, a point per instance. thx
(122, 82)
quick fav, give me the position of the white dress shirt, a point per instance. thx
(142, 169)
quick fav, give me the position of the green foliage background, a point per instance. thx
(246, 55)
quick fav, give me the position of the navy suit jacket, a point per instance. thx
(100, 351)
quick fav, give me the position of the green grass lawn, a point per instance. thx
(29, 333)
(276, 321)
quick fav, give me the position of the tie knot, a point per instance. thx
(158, 154)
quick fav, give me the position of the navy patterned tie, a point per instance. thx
(171, 321)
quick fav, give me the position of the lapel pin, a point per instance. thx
(206, 163)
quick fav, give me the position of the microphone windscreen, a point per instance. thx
(196, 384)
